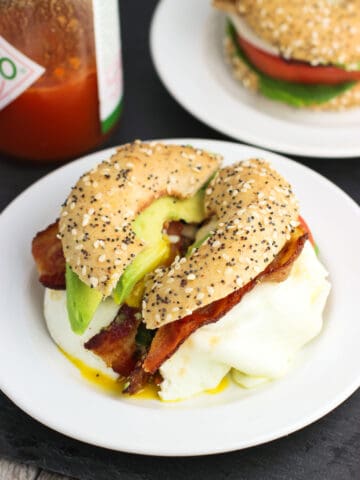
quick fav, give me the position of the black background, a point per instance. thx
(328, 449)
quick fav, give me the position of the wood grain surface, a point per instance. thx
(17, 471)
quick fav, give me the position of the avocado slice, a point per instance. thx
(81, 300)
(145, 262)
(148, 227)
(203, 234)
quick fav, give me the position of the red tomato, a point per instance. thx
(306, 228)
(294, 71)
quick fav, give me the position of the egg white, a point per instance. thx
(257, 339)
(246, 32)
(58, 324)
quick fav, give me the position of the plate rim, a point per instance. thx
(250, 139)
(281, 432)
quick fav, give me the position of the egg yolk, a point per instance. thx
(115, 387)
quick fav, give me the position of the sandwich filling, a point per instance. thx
(296, 83)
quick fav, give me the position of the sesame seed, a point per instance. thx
(86, 219)
(210, 290)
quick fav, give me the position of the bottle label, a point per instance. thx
(17, 73)
(108, 61)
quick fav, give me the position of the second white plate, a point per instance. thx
(186, 44)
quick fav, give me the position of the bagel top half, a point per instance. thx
(316, 31)
(256, 213)
(96, 221)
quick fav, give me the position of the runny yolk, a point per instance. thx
(108, 384)
(220, 388)
(115, 387)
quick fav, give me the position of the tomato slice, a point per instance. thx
(295, 71)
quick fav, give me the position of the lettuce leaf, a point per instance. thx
(294, 94)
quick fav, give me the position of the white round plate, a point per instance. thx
(187, 49)
(39, 379)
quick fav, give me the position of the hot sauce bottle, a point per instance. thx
(60, 76)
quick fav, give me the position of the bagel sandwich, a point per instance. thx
(166, 269)
(302, 53)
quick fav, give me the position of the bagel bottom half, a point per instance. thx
(250, 80)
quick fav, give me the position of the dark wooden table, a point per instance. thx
(328, 449)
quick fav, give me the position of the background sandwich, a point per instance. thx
(303, 53)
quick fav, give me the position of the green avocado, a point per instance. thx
(81, 300)
(148, 227)
(203, 234)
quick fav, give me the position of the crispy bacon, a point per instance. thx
(137, 379)
(280, 268)
(49, 257)
(180, 247)
(116, 344)
(169, 337)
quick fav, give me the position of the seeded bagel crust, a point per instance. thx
(314, 31)
(350, 98)
(257, 213)
(96, 220)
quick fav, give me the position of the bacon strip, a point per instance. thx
(116, 344)
(169, 337)
(280, 268)
(49, 257)
(137, 379)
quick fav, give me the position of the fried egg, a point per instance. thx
(256, 340)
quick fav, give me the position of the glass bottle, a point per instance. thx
(60, 76)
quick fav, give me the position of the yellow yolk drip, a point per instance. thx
(115, 387)
(108, 384)
(220, 388)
